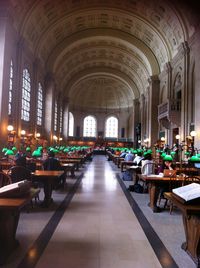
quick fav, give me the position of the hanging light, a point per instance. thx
(38, 135)
(10, 128)
(23, 132)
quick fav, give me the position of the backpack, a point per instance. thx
(127, 176)
(137, 188)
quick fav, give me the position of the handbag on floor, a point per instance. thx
(127, 176)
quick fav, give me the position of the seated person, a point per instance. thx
(20, 160)
(19, 171)
(123, 154)
(52, 163)
(129, 157)
(167, 164)
(138, 159)
(164, 187)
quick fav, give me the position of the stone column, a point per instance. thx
(142, 116)
(153, 101)
(136, 120)
(185, 51)
(5, 60)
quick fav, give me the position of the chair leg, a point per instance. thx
(171, 208)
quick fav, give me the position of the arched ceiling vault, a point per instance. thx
(106, 72)
(109, 47)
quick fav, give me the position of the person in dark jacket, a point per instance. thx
(52, 163)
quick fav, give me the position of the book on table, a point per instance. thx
(188, 193)
(17, 189)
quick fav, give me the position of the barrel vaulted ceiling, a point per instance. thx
(101, 52)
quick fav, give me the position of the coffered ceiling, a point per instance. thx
(101, 52)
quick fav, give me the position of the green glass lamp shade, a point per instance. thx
(28, 149)
(163, 155)
(4, 150)
(168, 158)
(194, 158)
(186, 153)
(14, 148)
(9, 152)
(173, 153)
(198, 155)
(36, 153)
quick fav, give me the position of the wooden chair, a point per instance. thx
(19, 173)
(4, 179)
(148, 169)
(172, 184)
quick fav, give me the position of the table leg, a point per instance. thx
(8, 226)
(47, 193)
(192, 233)
(153, 192)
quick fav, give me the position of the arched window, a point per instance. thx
(39, 105)
(10, 89)
(56, 116)
(71, 124)
(89, 126)
(111, 127)
(61, 119)
(26, 95)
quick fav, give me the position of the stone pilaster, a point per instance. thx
(152, 111)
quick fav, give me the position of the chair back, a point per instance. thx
(149, 168)
(4, 179)
(191, 179)
(19, 173)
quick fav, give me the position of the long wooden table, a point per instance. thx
(69, 167)
(74, 161)
(154, 182)
(9, 217)
(48, 178)
(191, 222)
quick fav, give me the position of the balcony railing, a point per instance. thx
(167, 108)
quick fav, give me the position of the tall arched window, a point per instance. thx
(111, 127)
(71, 124)
(89, 126)
(39, 105)
(10, 89)
(61, 119)
(56, 116)
(26, 95)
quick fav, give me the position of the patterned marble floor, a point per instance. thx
(99, 229)
(94, 227)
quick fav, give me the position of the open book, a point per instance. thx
(188, 192)
(15, 189)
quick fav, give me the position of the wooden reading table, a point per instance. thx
(74, 161)
(154, 182)
(69, 167)
(9, 218)
(191, 222)
(47, 177)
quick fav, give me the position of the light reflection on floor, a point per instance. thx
(101, 170)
